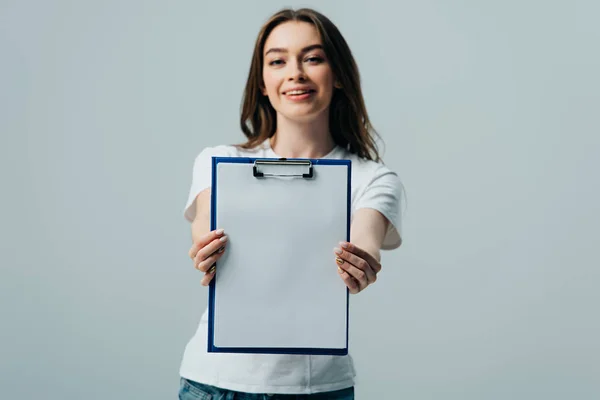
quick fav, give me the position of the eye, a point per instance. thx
(276, 62)
(315, 60)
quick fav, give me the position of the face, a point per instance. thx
(296, 73)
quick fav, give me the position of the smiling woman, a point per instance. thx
(304, 49)
(297, 80)
(302, 100)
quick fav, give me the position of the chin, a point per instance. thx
(302, 115)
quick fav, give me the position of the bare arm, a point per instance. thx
(359, 261)
(207, 246)
(201, 223)
(368, 231)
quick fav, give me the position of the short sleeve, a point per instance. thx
(202, 177)
(384, 193)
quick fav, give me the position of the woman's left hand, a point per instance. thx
(357, 267)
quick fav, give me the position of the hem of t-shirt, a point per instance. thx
(269, 389)
(393, 238)
(189, 212)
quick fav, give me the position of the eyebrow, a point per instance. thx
(304, 50)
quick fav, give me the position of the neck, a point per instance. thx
(302, 139)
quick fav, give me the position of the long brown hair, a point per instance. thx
(348, 120)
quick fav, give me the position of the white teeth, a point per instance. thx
(293, 92)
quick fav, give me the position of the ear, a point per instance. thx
(262, 88)
(337, 84)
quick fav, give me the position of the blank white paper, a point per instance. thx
(277, 285)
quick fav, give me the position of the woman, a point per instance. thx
(302, 100)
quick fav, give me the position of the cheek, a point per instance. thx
(325, 79)
(270, 82)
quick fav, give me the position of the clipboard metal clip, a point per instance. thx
(307, 164)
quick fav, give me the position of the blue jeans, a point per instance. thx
(191, 390)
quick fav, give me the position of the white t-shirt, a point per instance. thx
(373, 186)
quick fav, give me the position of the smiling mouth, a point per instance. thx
(298, 92)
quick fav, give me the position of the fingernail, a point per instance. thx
(344, 245)
(220, 231)
(212, 269)
(337, 251)
(223, 239)
(340, 270)
(339, 261)
(221, 249)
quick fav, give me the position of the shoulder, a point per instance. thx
(221, 150)
(231, 150)
(365, 172)
(376, 186)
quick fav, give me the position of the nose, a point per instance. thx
(296, 71)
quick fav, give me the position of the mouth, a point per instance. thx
(299, 94)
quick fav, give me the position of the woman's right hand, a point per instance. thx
(206, 251)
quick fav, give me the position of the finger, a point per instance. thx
(210, 249)
(208, 276)
(357, 262)
(206, 264)
(359, 276)
(350, 282)
(351, 248)
(204, 240)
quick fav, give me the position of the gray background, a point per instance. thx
(489, 111)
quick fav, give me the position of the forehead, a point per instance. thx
(292, 35)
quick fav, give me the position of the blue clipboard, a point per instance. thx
(310, 170)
